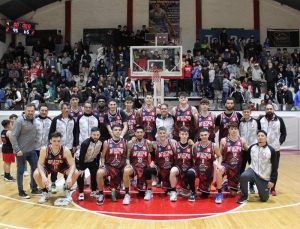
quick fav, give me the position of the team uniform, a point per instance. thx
(139, 155)
(55, 162)
(7, 150)
(131, 122)
(184, 118)
(207, 122)
(183, 160)
(232, 159)
(164, 158)
(104, 132)
(223, 120)
(115, 160)
(147, 121)
(75, 114)
(204, 169)
(116, 119)
(159, 19)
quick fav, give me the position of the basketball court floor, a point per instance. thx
(281, 211)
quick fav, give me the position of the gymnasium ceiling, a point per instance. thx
(13, 9)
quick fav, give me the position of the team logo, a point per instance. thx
(135, 148)
(110, 145)
(199, 148)
(178, 113)
(92, 122)
(168, 147)
(209, 118)
(159, 148)
(233, 119)
(144, 148)
(188, 113)
(178, 150)
(238, 143)
(47, 125)
(208, 150)
(188, 150)
(121, 145)
(144, 113)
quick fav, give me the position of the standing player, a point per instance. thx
(184, 116)
(131, 117)
(229, 115)
(205, 153)
(55, 158)
(275, 128)
(183, 161)
(136, 162)
(231, 148)
(115, 117)
(7, 150)
(162, 163)
(89, 151)
(147, 116)
(75, 109)
(100, 112)
(206, 119)
(113, 159)
(248, 130)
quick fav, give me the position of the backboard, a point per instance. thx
(145, 60)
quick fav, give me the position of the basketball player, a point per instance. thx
(229, 115)
(100, 112)
(147, 116)
(113, 159)
(231, 148)
(89, 151)
(183, 161)
(162, 163)
(55, 158)
(115, 117)
(205, 153)
(136, 162)
(75, 109)
(206, 119)
(184, 116)
(248, 130)
(131, 117)
(7, 150)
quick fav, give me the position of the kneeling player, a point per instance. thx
(231, 148)
(55, 158)
(183, 158)
(137, 162)
(113, 159)
(162, 163)
(204, 154)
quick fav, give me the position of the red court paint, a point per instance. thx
(159, 207)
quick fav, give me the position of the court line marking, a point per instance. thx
(12, 226)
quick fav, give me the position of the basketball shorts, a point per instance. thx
(233, 175)
(205, 175)
(115, 174)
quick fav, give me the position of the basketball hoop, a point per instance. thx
(156, 77)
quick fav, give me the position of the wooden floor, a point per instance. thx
(282, 211)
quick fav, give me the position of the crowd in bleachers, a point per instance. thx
(51, 72)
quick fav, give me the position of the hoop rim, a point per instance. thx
(150, 76)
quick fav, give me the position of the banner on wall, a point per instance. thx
(210, 34)
(283, 37)
(164, 17)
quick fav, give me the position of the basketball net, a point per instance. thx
(156, 77)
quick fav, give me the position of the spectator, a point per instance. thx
(238, 96)
(278, 55)
(215, 46)
(247, 95)
(226, 86)
(251, 49)
(50, 45)
(287, 97)
(269, 96)
(14, 98)
(89, 82)
(110, 82)
(2, 96)
(197, 46)
(81, 82)
(75, 57)
(101, 68)
(266, 44)
(271, 77)
(65, 64)
(85, 61)
(37, 49)
(290, 77)
(49, 96)
(297, 85)
(295, 57)
(297, 101)
(121, 65)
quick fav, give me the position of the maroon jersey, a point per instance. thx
(164, 155)
(115, 153)
(148, 122)
(232, 151)
(183, 118)
(204, 156)
(55, 162)
(75, 114)
(207, 122)
(115, 119)
(139, 154)
(183, 156)
(131, 122)
(223, 131)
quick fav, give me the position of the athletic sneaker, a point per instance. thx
(23, 195)
(252, 191)
(53, 189)
(193, 197)
(148, 195)
(26, 173)
(45, 197)
(81, 196)
(67, 194)
(126, 199)
(243, 199)
(94, 194)
(2, 174)
(113, 195)
(185, 193)
(273, 192)
(36, 192)
(100, 199)
(9, 179)
(219, 198)
(173, 196)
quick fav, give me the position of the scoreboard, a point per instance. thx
(15, 27)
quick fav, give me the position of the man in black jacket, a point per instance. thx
(217, 85)
(271, 77)
(287, 97)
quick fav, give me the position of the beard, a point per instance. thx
(228, 108)
(269, 114)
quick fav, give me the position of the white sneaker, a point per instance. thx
(81, 196)
(2, 174)
(26, 173)
(154, 181)
(67, 194)
(148, 195)
(173, 196)
(94, 194)
(126, 200)
(44, 198)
